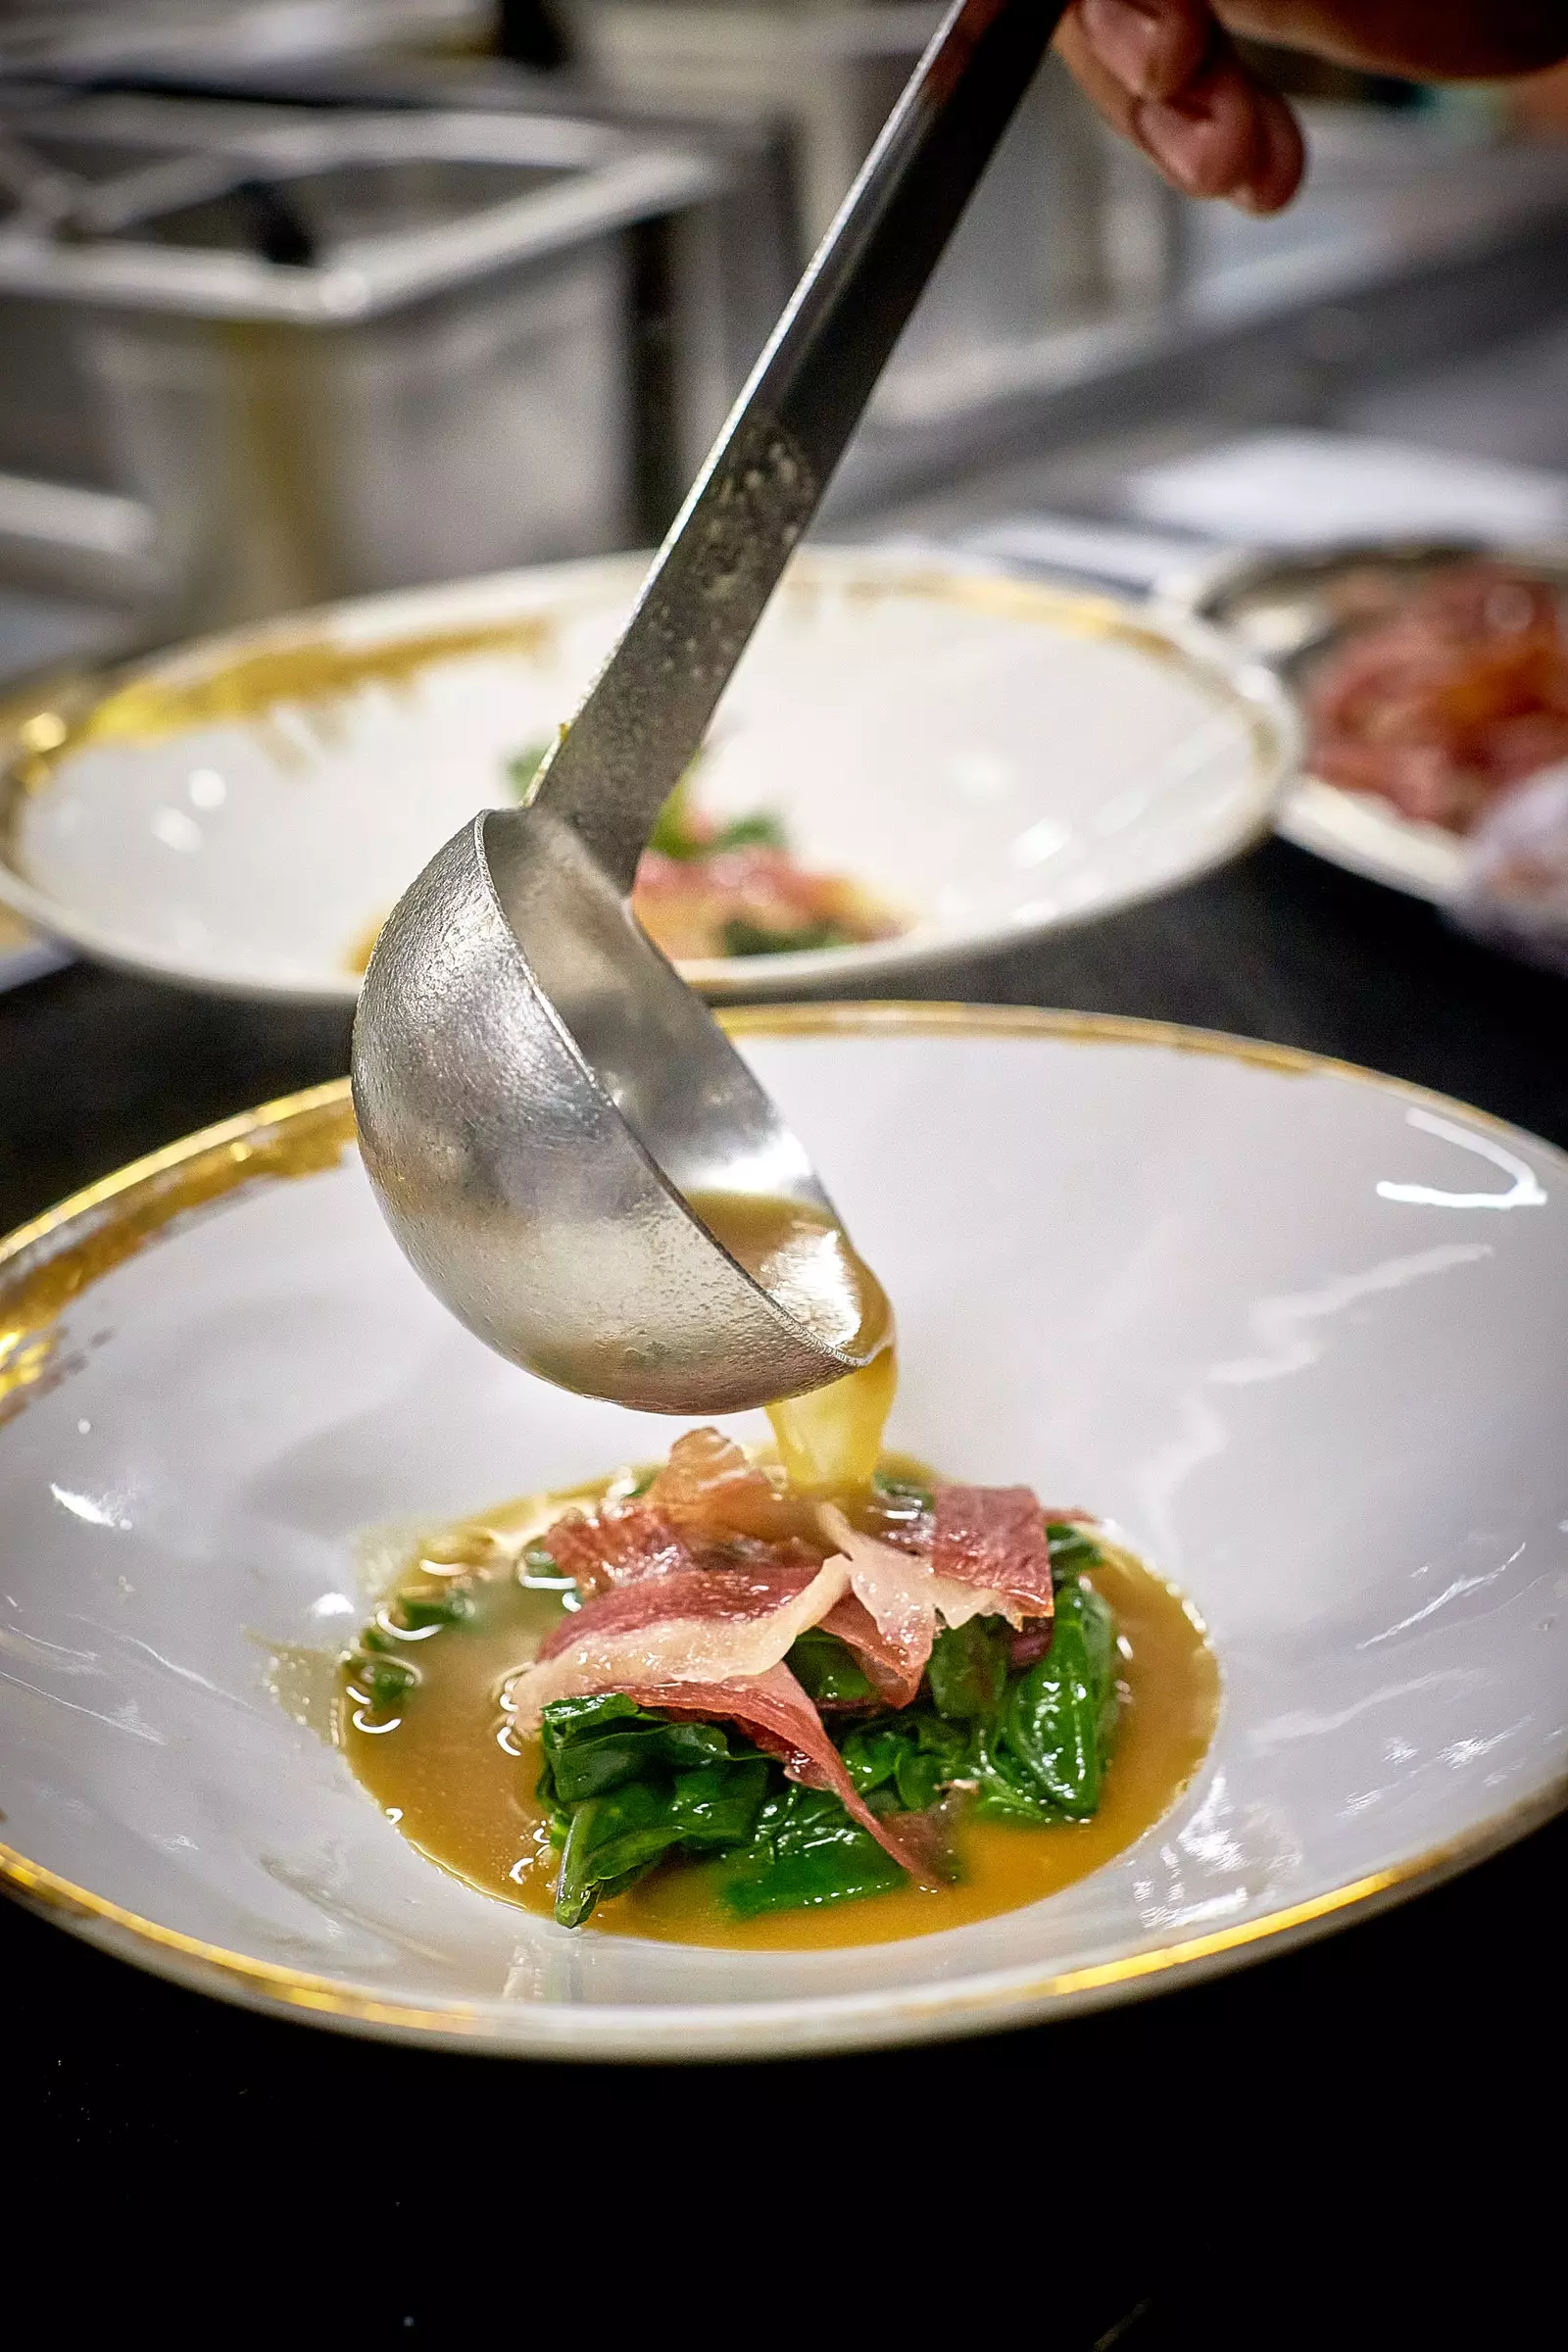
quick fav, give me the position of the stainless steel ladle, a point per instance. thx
(539, 1094)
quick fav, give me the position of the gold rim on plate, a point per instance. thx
(306, 1133)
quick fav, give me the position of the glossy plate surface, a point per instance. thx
(991, 757)
(1300, 1334)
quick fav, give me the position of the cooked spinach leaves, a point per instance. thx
(903, 1762)
(804, 1852)
(969, 1670)
(743, 936)
(1046, 1749)
(627, 1786)
(382, 1682)
(680, 833)
(827, 1672)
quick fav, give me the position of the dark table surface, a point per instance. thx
(1279, 2109)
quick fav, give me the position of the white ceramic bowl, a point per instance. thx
(1300, 1333)
(993, 758)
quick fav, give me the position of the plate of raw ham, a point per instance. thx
(1433, 680)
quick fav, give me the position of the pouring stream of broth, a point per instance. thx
(830, 1439)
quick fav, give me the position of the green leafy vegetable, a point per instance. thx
(593, 1744)
(617, 1838)
(629, 1787)
(674, 834)
(826, 1670)
(524, 765)
(804, 1853)
(903, 1762)
(451, 1605)
(718, 1804)
(760, 831)
(871, 1753)
(681, 833)
(968, 1669)
(1047, 1748)
(612, 1842)
(743, 937)
(385, 1682)
(1072, 1549)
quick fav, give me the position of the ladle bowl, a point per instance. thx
(540, 1096)
(538, 1092)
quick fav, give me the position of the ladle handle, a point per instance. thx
(646, 713)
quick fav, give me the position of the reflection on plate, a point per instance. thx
(1308, 1357)
(1297, 611)
(985, 756)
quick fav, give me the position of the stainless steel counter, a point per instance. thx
(334, 351)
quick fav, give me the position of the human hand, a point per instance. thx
(1167, 76)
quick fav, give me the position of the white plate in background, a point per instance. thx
(995, 757)
(1298, 1332)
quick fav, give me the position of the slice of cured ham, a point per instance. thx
(990, 1555)
(887, 1666)
(710, 1487)
(779, 1717)
(696, 1625)
(617, 1545)
(889, 1619)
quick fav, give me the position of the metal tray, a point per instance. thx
(438, 371)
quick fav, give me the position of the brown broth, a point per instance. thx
(442, 1772)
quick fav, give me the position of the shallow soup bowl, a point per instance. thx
(985, 760)
(1298, 1334)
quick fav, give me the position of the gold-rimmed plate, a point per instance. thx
(984, 758)
(1307, 1355)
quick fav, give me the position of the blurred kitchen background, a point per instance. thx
(305, 298)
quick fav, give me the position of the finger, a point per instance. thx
(1111, 96)
(1206, 139)
(1281, 160)
(1151, 47)
(1210, 139)
(1220, 136)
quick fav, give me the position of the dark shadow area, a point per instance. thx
(1155, 2168)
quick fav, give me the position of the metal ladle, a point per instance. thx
(539, 1095)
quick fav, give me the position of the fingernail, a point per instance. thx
(1125, 38)
(1177, 142)
(1276, 166)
